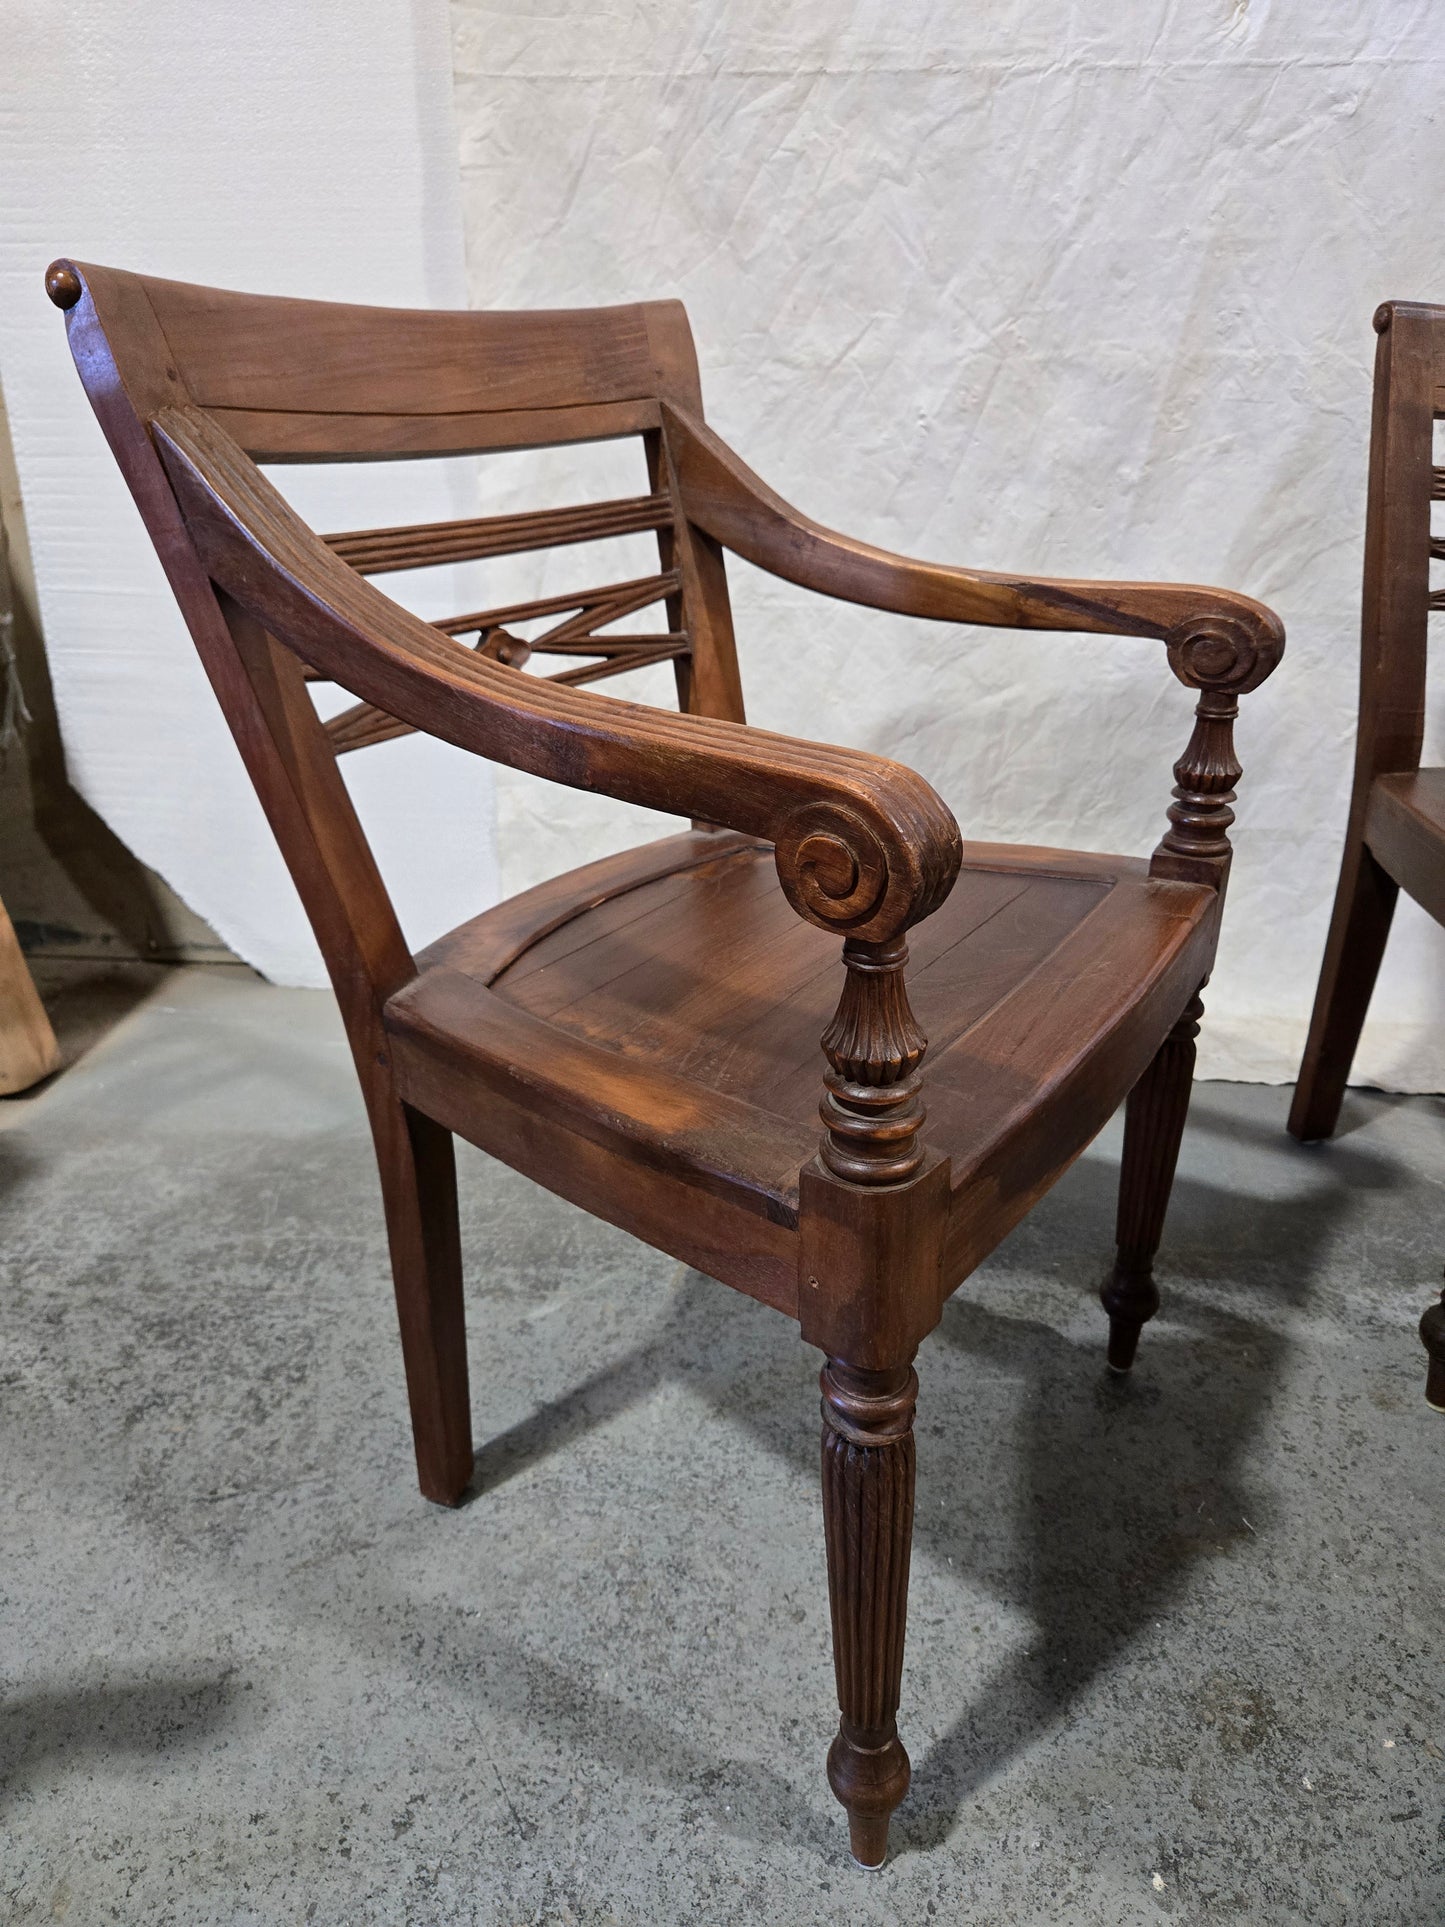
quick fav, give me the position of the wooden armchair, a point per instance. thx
(1396, 833)
(642, 1036)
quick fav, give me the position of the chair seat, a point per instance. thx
(1405, 827)
(668, 1004)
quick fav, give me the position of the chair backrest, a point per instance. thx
(1399, 546)
(320, 382)
(310, 381)
(315, 381)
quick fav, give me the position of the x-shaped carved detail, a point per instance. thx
(584, 613)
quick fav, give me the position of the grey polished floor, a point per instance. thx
(1176, 1645)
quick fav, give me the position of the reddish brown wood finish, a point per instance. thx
(1432, 1337)
(868, 1475)
(1153, 1126)
(1395, 837)
(656, 1035)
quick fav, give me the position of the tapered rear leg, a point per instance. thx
(1364, 906)
(1153, 1126)
(1432, 1337)
(868, 1466)
(419, 1189)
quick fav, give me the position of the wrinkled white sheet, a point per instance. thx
(289, 146)
(1021, 284)
(1024, 285)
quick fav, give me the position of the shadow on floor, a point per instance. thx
(1090, 1513)
(85, 1000)
(64, 1731)
(1124, 1486)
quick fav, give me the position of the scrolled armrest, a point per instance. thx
(1215, 638)
(864, 847)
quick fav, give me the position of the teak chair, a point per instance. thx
(642, 1035)
(1396, 832)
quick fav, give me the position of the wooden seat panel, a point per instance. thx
(1405, 827)
(675, 983)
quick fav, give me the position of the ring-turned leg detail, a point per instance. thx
(868, 1470)
(1153, 1126)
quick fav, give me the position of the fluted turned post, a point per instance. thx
(868, 1470)
(1196, 844)
(873, 1210)
(1153, 1126)
(873, 1115)
(1223, 658)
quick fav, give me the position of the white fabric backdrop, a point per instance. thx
(1021, 285)
(294, 147)
(1024, 284)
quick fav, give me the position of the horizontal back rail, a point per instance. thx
(276, 437)
(423, 545)
(278, 354)
(297, 381)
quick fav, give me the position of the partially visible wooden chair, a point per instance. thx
(28, 1050)
(1396, 832)
(642, 1036)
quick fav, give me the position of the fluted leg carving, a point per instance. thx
(868, 1463)
(1432, 1337)
(1153, 1126)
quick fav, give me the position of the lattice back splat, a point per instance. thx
(306, 381)
(584, 632)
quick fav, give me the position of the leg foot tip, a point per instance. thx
(868, 1840)
(1432, 1337)
(1131, 1298)
(868, 1782)
(448, 1489)
(1123, 1347)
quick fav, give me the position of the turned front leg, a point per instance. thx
(1153, 1127)
(873, 1210)
(868, 1464)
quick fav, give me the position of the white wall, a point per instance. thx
(1022, 284)
(291, 146)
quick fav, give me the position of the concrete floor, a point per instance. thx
(1176, 1645)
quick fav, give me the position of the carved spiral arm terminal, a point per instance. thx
(1223, 658)
(870, 875)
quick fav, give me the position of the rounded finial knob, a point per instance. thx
(1382, 316)
(62, 284)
